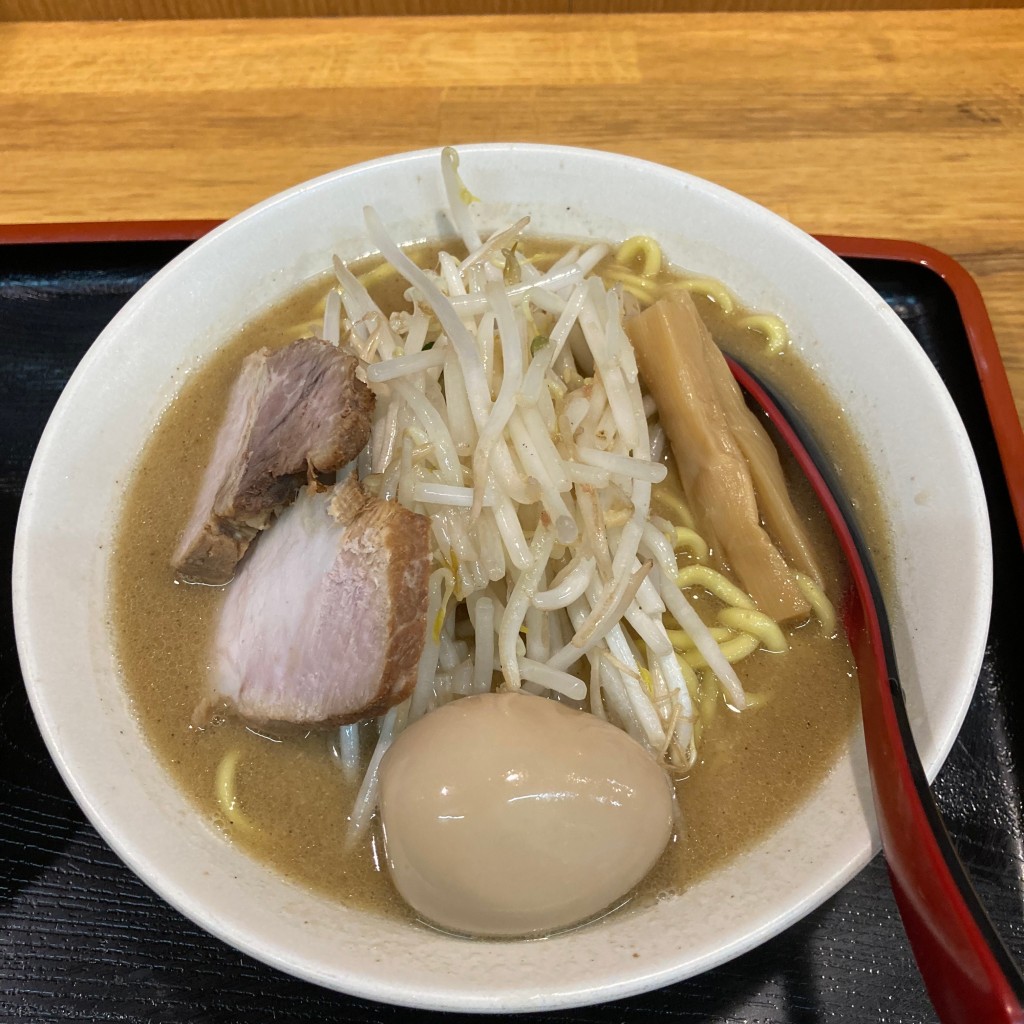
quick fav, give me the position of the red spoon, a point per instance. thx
(968, 972)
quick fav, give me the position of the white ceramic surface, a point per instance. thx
(892, 396)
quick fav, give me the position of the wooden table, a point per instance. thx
(892, 124)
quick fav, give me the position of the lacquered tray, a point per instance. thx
(81, 938)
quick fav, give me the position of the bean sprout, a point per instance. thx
(510, 412)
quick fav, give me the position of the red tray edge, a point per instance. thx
(112, 231)
(995, 385)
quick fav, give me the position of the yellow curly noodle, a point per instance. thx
(757, 624)
(638, 264)
(669, 501)
(819, 602)
(641, 249)
(714, 583)
(227, 795)
(689, 540)
(736, 648)
(707, 288)
(773, 329)
(682, 641)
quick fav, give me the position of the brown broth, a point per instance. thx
(291, 799)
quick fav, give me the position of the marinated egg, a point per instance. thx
(506, 814)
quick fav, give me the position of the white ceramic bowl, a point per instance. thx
(894, 401)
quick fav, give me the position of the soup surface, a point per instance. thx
(288, 799)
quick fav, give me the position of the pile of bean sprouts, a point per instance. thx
(510, 412)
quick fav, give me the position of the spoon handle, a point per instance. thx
(969, 974)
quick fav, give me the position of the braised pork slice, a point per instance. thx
(292, 412)
(325, 621)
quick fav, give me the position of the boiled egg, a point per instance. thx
(507, 814)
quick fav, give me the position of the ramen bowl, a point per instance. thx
(894, 404)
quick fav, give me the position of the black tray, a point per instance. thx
(81, 938)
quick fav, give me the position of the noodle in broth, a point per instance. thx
(287, 796)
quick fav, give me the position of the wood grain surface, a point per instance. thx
(88, 10)
(904, 124)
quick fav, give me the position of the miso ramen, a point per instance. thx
(283, 792)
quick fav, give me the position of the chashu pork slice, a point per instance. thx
(292, 412)
(325, 622)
